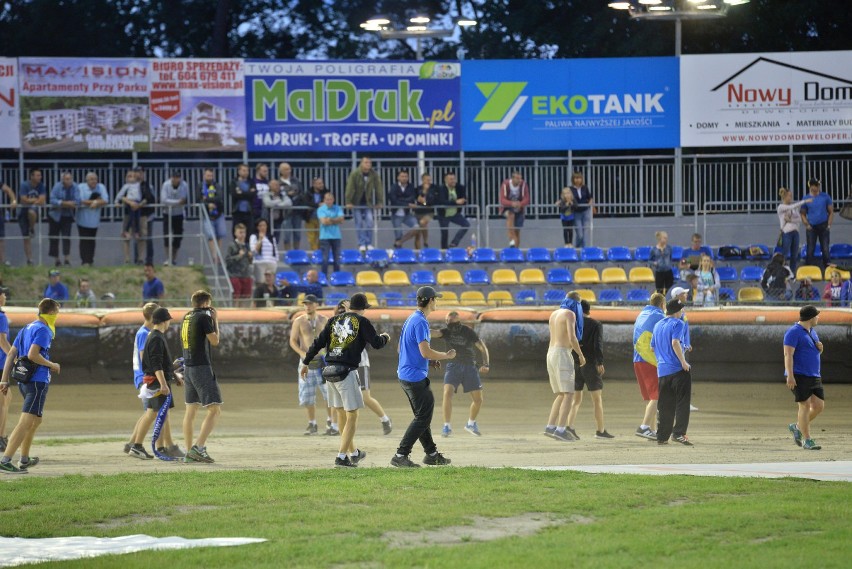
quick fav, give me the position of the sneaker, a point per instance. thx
(328, 423)
(166, 263)
(511, 243)
(437, 459)
(549, 432)
(362, 248)
(662, 442)
(682, 440)
(5, 441)
(564, 436)
(810, 444)
(646, 433)
(138, 451)
(28, 464)
(446, 431)
(332, 432)
(311, 429)
(356, 458)
(473, 429)
(387, 427)
(196, 454)
(10, 468)
(403, 462)
(573, 433)
(603, 435)
(692, 407)
(370, 247)
(797, 434)
(344, 463)
(175, 451)
(127, 447)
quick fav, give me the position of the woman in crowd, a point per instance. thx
(424, 215)
(263, 250)
(661, 262)
(790, 219)
(566, 215)
(837, 292)
(708, 283)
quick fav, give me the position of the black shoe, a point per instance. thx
(138, 451)
(603, 435)
(662, 442)
(436, 459)
(344, 463)
(573, 433)
(682, 440)
(30, 463)
(356, 458)
(403, 462)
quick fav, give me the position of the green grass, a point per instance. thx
(324, 518)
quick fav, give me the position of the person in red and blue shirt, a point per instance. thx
(802, 351)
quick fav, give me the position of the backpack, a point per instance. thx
(730, 252)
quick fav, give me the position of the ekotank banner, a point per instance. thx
(583, 104)
(324, 106)
(754, 99)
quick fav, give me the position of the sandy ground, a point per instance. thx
(262, 425)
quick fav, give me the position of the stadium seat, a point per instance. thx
(297, 257)
(368, 278)
(500, 298)
(512, 255)
(750, 294)
(750, 274)
(639, 295)
(391, 298)
(430, 256)
(726, 274)
(411, 299)
(476, 277)
(450, 277)
(817, 251)
(707, 250)
(559, 277)
(396, 278)
(333, 298)
(613, 275)
(587, 276)
(456, 255)
(587, 294)
(642, 254)
(473, 298)
(538, 255)
(676, 273)
(532, 277)
(844, 275)
(342, 278)
(484, 255)
(641, 275)
(619, 255)
(554, 296)
(291, 277)
(448, 299)
(377, 256)
(372, 300)
(420, 278)
(592, 255)
(757, 252)
(504, 277)
(810, 272)
(727, 293)
(316, 257)
(403, 257)
(610, 295)
(840, 251)
(351, 257)
(677, 253)
(525, 297)
(565, 255)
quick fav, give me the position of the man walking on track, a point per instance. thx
(590, 375)
(645, 362)
(305, 330)
(198, 332)
(344, 338)
(462, 371)
(413, 370)
(560, 367)
(673, 374)
(802, 351)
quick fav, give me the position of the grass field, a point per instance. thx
(333, 518)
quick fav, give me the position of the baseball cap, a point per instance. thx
(673, 307)
(808, 312)
(677, 291)
(427, 292)
(53, 273)
(813, 182)
(108, 296)
(358, 301)
(310, 298)
(161, 315)
(4, 290)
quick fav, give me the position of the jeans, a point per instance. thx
(458, 219)
(673, 405)
(364, 225)
(823, 233)
(87, 244)
(790, 248)
(582, 222)
(334, 245)
(398, 221)
(292, 230)
(423, 405)
(60, 231)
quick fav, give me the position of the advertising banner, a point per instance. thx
(765, 99)
(10, 134)
(581, 104)
(197, 105)
(323, 106)
(78, 105)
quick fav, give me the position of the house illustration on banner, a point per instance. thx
(206, 122)
(65, 123)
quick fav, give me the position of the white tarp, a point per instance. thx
(10, 134)
(18, 550)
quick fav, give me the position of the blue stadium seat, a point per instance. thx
(727, 293)
(320, 277)
(559, 277)
(411, 299)
(619, 255)
(565, 255)
(456, 255)
(297, 257)
(332, 298)
(677, 253)
(476, 277)
(512, 255)
(404, 257)
(430, 256)
(817, 251)
(764, 254)
(592, 255)
(291, 277)
(421, 278)
(316, 257)
(351, 257)
(377, 255)
(638, 295)
(726, 274)
(676, 273)
(554, 296)
(525, 297)
(610, 295)
(342, 278)
(642, 254)
(707, 251)
(840, 251)
(749, 274)
(484, 255)
(538, 255)
(392, 298)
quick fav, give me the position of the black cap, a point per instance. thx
(4, 290)
(813, 182)
(673, 307)
(359, 302)
(161, 315)
(427, 292)
(310, 298)
(808, 312)
(176, 174)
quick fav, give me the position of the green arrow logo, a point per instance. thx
(503, 101)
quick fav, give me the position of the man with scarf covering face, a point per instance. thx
(32, 342)
(565, 330)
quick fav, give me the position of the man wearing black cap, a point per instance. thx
(817, 217)
(174, 194)
(414, 355)
(344, 338)
(802, 350)
(673, 373)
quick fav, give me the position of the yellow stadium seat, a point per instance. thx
(809, 272)
(500, 298)
(371, 298)
(750, 294)
(613, 275)
(368, 278)
(587, 294)
(473, 298)
(504, 277)
(448, 299)
(397, 278)
(299, 298)
(844, 275)
(641, 275)
(449, 277)
(532, 277)
(587, 276)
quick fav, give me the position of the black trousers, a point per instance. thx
(568, 231)
(673, 405)
(59, 231)
(818, 233)
(423, 405)
(456, 219)
(87, 244)
(173, 224)
(663, 280)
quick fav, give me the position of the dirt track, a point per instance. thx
(261, 428)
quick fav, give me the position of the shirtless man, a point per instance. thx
(560, 367)
(305, 329)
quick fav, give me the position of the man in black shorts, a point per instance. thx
(198, 332)
(590, 375)
(802, 352)
(462, 371)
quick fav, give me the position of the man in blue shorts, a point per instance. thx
(33, 342)
(673, 374)
(32, 193)
(802, 351)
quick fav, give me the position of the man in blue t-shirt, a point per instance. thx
(152, 288)
(6, 398)
(55, 289)
(413, 371)
(31, 193)
(802, 350)
(33, 342)
(675, 382)
(330, 218)
(817, 217)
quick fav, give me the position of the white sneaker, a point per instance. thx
(512, 243)
(692, 407)
(166, 263)
(362, 248)
(370, 247)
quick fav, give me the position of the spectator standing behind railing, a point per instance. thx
(400, 196)
(454, 196)
(314, 201)
(263, 249)
(293, 188)
(93, 196)
(807, 292)
(213, 197)
(660, 261)
(566, 215)
(261, 185)
(330, 217)
(55, 288)
(13, 201)
(147, 213)
(426, 196)
(32, 193)
(174, 194)
(514, 198)
(243, 192)
(130, 195)
(790, 218)
(817, 217)
(837, 292)
(64, 200)
(85, 297)
(364, 189)
(584, 202)
(238, 262)
(776, 279)
(708, 283)
(274, 202)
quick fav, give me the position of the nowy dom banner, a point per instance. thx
(766, 99)
(10, 134)
(579, 104)
(332, 106)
